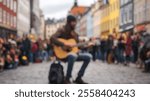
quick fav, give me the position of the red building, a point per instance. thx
(77, 10)
(8, 17)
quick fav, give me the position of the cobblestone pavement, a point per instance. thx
(97, 73)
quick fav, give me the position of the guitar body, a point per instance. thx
(61, 53)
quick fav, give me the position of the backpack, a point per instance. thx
(56, 73)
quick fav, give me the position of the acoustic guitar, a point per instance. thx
(62, 53)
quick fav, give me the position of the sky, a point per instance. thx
(59, 8)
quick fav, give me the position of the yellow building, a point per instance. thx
(104, 22)
(110, 18)
(114, 9)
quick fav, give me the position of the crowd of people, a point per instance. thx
(132, 48)
(22, 51)
(124, 49)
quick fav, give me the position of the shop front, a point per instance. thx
(139, 28)
(6, 33)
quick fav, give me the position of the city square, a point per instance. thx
(111, 37)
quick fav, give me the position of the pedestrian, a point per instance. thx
(121, 49)
(110, 43)
(34, 50)
(144, 54)
(128, 49)
(103, 48)
(2, 62)
(135, 47)
(49, 50)
(115, 50)
(26, 47)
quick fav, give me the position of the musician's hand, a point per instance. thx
(70, 45)
(91, 44)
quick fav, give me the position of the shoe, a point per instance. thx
(67, 81)
(79, 81)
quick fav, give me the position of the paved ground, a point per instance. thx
(97, 73)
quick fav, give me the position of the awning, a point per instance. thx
(140, 28)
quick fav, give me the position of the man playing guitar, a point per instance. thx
(68, 32)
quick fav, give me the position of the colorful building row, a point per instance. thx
(18, 17)
(8, 17)
(112, 17)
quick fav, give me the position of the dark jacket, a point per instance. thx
(26, 45)
(110, 44)
(65, 33)
(145, 48)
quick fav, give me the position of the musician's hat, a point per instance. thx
(71, 18)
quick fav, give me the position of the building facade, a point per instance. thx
(52, 25)
(77, 10)
(23, 17)
(126, 15)
(89, 23)
(35, 17)
(8, 18)
(141, 15)
(104, 22)
(83, 26)
(42, 27)
(114, 14)
(96, 15)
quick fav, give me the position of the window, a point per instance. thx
(12, 21)
(1, 15)
(125, 15)
(11, 4)
(15, 6)
(15, 22)
(122, 2)
(130, 12)
(4, 2)
(8, 3)
(4, 17)
(121, 17)
(8, 21)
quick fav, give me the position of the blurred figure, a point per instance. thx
(44, 51)
(49, 50)
(34, 50)
(115, 50)
(110, 44)
(121, 49)
(128, 49)
(26, 47)
(95, 48)
(135, 47)
(144, 53)
(2, 62)
(103, 49)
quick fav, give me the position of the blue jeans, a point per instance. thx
(103, 55)
(116, 54)
(45, 55)
(80, 57)
(31, 57)
(121, 55)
